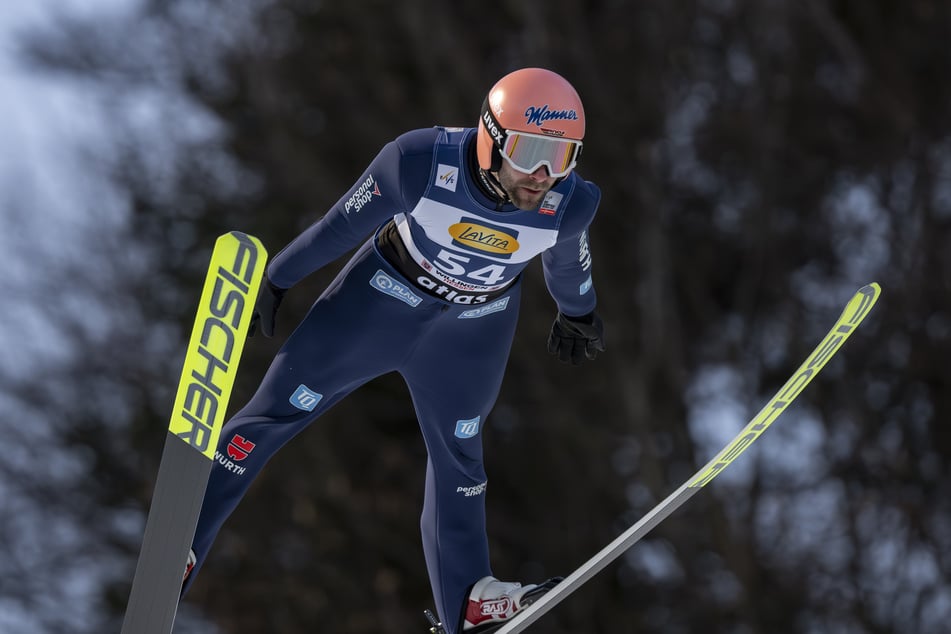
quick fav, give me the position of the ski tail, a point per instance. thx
(204, 389)
(435, 627)
(853, 315)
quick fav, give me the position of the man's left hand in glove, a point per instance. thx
(576, 338)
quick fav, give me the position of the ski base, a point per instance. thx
(176, 502)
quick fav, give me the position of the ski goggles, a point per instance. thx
(526, 152)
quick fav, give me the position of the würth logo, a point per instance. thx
(240, 447)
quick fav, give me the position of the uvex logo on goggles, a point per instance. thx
(527, 152)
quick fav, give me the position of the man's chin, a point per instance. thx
(527, 199)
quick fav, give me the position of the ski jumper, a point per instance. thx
(432, 294)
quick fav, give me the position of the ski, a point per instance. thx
(211, 363)
(853, 314)
(435, 627)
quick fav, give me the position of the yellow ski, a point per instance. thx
(211, 364)
(856, 310)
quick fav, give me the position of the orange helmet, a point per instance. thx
(531, 117)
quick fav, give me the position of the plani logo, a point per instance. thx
(488, 309)
(386, 284)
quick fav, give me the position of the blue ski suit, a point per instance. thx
(432, 294)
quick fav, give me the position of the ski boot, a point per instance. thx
(492, 603)
(189, 564)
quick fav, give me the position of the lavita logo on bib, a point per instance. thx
(477, 235)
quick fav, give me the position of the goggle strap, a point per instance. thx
(497, 141)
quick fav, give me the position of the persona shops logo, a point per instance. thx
(363, 195)
(472, 491)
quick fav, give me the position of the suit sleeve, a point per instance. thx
(388, 186)
(568, 263)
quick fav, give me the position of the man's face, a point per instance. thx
(525, 190)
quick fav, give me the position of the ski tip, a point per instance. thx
(862, 302)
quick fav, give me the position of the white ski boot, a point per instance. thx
(492, 602)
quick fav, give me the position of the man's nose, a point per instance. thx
(540, 174)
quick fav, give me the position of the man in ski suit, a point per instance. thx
(453, 216)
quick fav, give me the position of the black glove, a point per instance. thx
(265, 310)
(573, 338)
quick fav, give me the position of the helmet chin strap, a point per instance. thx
(492, 182)
(488, 182)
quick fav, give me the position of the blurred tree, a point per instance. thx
(759, 162)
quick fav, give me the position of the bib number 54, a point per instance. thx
(457, 264)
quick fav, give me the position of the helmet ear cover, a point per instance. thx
(496, 159)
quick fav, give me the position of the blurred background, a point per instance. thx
(760, 160)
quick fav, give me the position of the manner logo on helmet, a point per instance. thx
(535, 115)
(472, 234)
(240, 447)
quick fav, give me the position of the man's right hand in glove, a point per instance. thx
(265, 310)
